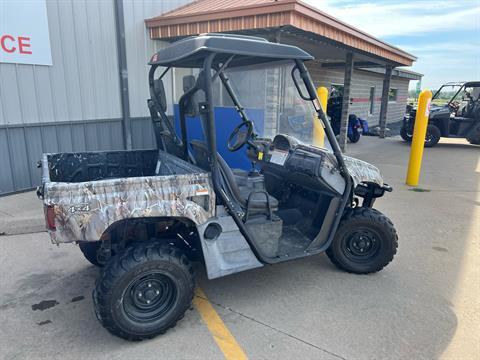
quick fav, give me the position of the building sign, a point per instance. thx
(24, 36)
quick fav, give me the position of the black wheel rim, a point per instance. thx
(429, 138)
(149, 297)
(361, 245)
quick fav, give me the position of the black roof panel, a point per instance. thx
(190, 52)
(463, 83)
(472, 84)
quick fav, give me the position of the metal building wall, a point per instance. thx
(360, 91)
(396, 110)
(362, 82)
(72, 105)
(75, 104)
(140, 49)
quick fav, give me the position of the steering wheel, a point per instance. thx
(239, 138)
(454, 106)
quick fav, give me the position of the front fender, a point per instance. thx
(362, 172)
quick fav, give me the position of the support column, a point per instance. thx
(384, 104)
(123, 74)
(347, 84)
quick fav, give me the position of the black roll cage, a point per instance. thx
(462, 86)
(453, 97)
(207, 114)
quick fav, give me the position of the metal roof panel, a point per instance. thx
(226, 16)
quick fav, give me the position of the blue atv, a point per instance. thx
(355, 125)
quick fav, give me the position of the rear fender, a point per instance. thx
(84, 211)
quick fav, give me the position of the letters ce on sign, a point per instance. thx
(24, 36)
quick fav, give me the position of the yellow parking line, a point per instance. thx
(222, 336)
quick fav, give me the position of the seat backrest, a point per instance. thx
(200, 151)
(188, 82)
(171, 146)
(200, 154)
(191, 101)
(231, 181)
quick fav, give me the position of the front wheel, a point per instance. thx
(365, 242)
(144, 291)
(433, 136)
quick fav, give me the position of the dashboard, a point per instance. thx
(294, 161)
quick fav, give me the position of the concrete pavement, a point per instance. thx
(21, 214)
(424, 305)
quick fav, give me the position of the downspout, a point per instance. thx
(123, 73)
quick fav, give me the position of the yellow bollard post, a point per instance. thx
(418, 141)
(318, 131)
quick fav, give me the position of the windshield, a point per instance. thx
(271, 100)
(446, 94)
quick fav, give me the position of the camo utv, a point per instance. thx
(145, 215)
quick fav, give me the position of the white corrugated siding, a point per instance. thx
(140, 49)
(83, 82)
(360, 91)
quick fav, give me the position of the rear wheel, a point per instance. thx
(433, 136)
(405, 135)
(475, 137)
(365, 242)
(144, 291)
(354, 136)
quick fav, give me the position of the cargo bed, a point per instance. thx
(85, 193)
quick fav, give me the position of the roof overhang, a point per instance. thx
(292, 14)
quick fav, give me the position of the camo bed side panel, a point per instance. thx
(83, 211)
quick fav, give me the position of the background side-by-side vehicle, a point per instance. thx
(454, 113)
